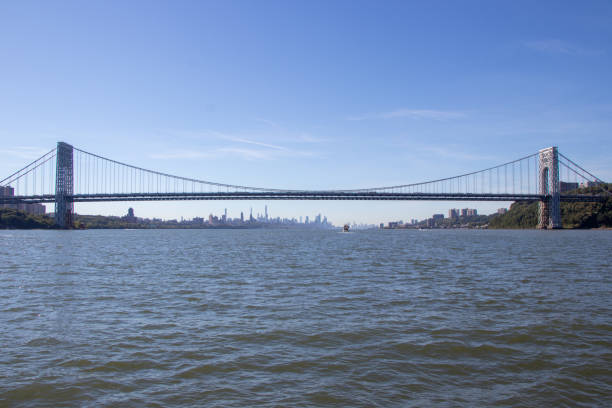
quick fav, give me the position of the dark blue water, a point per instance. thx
(305, 318)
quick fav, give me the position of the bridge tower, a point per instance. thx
(64, 186)
(550, 206)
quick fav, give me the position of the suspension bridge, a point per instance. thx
(67, 175)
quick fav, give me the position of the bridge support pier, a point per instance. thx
(550, 207)
(64, 185)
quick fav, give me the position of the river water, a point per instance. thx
(305, 318)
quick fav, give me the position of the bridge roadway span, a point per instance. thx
(293, 195)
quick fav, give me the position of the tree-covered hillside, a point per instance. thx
(15, 219)
(573, 215)
(521, 215)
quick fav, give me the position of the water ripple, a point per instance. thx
(284, 318)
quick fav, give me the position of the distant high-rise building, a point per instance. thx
(266, 215)
(37, 209)
(565, 187)
(241, 216)
(502, 210)
(129, 217)
(453, 213)
(306, 221)
(7, 191)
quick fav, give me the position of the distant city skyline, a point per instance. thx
(225, 220)
(307, 95)
(319, 218)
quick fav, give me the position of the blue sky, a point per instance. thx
(310, 94)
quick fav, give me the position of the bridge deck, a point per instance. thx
(297, 195)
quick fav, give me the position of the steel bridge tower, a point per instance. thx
(550, 206)
(64, 186)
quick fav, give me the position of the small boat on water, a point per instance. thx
(346, 228)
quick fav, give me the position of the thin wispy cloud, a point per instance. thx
(454, 153)
(240, 145)
(251, 142)
(307, 138)
(265, 139)
(182, 154)
(237, 146)
(280, 133)
(437, 115)
(209, 154)
(24, 152)
(268, 122)
(555, 46)
(246, 153)
(225, 152)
